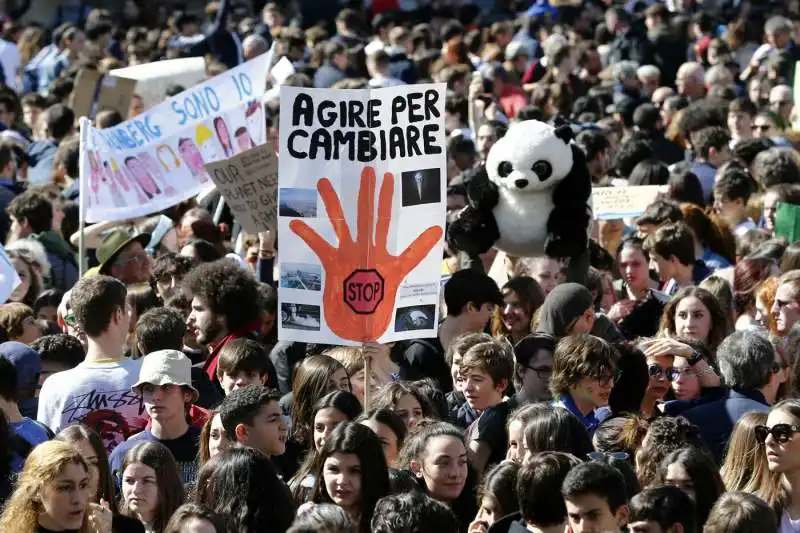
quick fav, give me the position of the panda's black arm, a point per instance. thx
(482, 193)
(576, 187)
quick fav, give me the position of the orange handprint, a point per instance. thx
(361, 276)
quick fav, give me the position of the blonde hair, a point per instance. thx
(45, 462)
(745, 466)
(351, 358)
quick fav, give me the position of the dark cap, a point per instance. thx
(526, 348)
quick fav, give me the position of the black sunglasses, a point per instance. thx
(655, 371)
(780, 432)
(601, 456)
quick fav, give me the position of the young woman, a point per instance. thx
(745, 467)
(351, 472)
(151, 485)
(390, 428)
(715, 244)
(213, 438)
(661, 374)
(437, 457)
(693, 312)
(522, 296)
(52, 494)
(31, 281)
(314, 377)
(748, 276)
(333, 409)
(620, 434)
(515, 428)
(101, 483)
(352, 359)
(554, 429)
(695, 472)
(193, 518)
(405, 401)
(497, 496)
(780, 443)
(243, 486)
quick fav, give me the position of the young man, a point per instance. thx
(657, 214)
(673, 256)
(30, 432)
(225, 306)
(539, 482)
(711, 145)
(732, 191)
(28, 367)
(242, 362)
(595, 498)
(412, 512)
(584, 371)
(58, 353)
(664, 509)
(165, 385)
(485, 372)
(740, 512)
(97, 392)
(168, 271)
(533, 367)
(252, 417)
(786, 307)
(741, 114)
(470, 298)
(32, 216)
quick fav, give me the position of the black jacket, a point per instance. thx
(633, 45)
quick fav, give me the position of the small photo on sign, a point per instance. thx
(303, 276)
(415, 317)
(421, 187)
(300, 316)
(298, 203)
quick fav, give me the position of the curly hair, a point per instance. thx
(228, 290)
(664, 436)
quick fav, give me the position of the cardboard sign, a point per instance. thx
(157, 159)
(361, 213)
(622, 202)
(249, 183)
(154, 78)
(94, 92)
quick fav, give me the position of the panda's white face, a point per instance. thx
(530, 158)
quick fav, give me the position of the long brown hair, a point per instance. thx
(170, 489)
(106, 489)
(720, 320)
(710, 231)
(311, 382)
(531, 297)
(774, 491)
(745, 466)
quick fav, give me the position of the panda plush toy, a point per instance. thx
(532, 198)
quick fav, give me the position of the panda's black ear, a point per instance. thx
(564, 132)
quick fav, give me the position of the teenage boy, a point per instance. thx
(165, 384)
(470, 298)
(29, 432)
(584, 370)
(485, 373)
(732, 191)
(595, 498)
(252, 417)
(664, 509)
(461, 414)
(539, 484)
(28, 366)
(711, 146)
(673, 257)
(58, 352)
(242, 362)
(97, 392)
(533, 367)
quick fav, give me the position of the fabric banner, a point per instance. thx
(361, 213)
(156, 159)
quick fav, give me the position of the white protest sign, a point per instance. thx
(9, 279)
(361, 213)
(622, 202)
(153, 79)
(249, 183)
(156, 159)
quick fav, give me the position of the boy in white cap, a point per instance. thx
(165, 383)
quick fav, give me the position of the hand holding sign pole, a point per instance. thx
(362, 277)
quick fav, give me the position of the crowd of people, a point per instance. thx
(658, 392)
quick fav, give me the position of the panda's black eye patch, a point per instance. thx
(543, 169)
(504, 169)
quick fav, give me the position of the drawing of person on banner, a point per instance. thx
(122, 175)
(95, 177)
(193, 158)
(155, 171)
(142, 177)
(224, 136)
(116, 194)
(243, 140)
(254, 121)
(208, 144)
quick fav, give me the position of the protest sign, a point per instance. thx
(9, 279)
(621, 202)
(94, 91)
(153, 79)
(158, 158)
(249, 183)
(361, 213)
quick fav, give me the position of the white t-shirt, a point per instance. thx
(10, 61)
(98, 395)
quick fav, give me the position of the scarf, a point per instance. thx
(210, 366)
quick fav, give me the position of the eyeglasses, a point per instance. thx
(141, 258)
(542, 372)
(655, 371)
(601, 456)
(780, 432)
(685, 371)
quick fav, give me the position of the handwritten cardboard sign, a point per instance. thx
(622, 202)
(249, 183)
(94, 92)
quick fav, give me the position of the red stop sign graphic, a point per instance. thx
(363, 291)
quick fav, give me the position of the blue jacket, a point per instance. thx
(716, 419)
(327, 75)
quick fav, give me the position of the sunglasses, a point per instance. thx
(601, 456)
(655, 371)
(780, 432)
